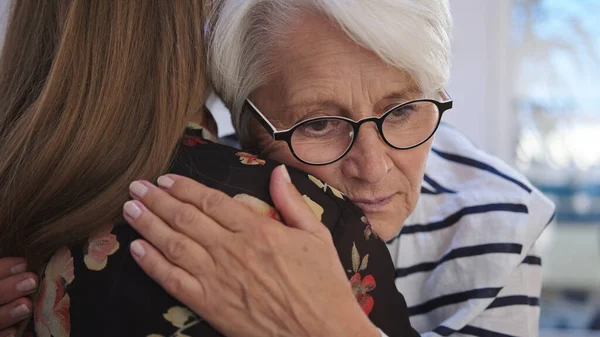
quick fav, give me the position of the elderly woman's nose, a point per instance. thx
(368, 159)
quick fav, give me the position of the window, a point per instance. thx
(556, 97)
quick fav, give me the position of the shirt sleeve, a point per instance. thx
(466, 258)
(515, 311)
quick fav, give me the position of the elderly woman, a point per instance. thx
(353, 92)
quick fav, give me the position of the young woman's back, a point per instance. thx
(93, 95)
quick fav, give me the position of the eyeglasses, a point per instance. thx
(325, 140)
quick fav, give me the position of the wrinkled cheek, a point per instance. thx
(273, 149)
(280, 152)
(413, 169)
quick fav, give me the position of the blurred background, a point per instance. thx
(525, 83)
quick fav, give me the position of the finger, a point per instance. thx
(11, 266)
(178, 248)
(291, 205)
(176, 281)
(15, 312)
(217, 205)
(181, 216)
(17, 286)
(11, 332)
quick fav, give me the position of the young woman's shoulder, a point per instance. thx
(245, 177)
(96, 289)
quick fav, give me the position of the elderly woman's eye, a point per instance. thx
(403, 112)
(318, 125)
(319, 128)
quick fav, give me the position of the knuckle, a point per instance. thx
(176, 249)
(185, 216)
(211, 201)
(182, 187)
(173, 284)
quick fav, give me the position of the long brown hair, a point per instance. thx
(93, 95)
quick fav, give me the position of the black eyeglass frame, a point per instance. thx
(286, 135)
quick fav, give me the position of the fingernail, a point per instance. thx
(18, 268)
(138, 189)
(26, 285)
(286, 174)
(132, 210)
(137, 250)
(165, 182)
(19, 311)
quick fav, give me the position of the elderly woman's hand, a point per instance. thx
(15, 284)
(246, 274)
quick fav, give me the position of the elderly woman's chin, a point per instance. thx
(387, 219)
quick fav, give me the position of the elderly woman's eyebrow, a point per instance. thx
(409, 93)
(317, 106)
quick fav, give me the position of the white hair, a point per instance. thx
(412, 35)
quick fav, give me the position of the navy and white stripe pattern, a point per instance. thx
(466, 259)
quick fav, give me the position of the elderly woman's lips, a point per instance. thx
(373, 205)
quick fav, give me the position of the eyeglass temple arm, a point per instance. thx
(447, 100)
(261, 118)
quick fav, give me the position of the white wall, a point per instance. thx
(481, 79)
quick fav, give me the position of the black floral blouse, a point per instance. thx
(97, 289)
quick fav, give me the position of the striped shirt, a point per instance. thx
(466, 259)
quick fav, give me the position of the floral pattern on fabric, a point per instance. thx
(250, 159)
(98, 248)
(258, 206)
(368, 229)
(361, 286)
(96, 289)
(51, 311)
(324, 186)
(189, 140)
(316, 208)
(181, 318)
